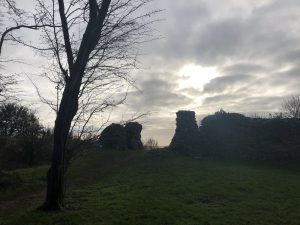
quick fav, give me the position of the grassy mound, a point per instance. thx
(159, 188)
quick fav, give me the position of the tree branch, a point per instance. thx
(18, 27)
(66, 34)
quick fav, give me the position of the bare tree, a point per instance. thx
(91, 44)
(291, 107)
(151, 144)
(8, 12)
(6, 84)
(94, 65)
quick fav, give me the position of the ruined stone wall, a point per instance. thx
(133, 135)
(114, 136)
(117, 136)
(186, 133)
(233, 135)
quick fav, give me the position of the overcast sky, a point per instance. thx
(242, 56)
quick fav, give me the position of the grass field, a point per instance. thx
(158, 188)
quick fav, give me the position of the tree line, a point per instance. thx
(24, 141)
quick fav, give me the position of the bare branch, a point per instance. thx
(18, 27)
(65, 30)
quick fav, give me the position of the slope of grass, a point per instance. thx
(163, 188)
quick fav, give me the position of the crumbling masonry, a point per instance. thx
(186, 133)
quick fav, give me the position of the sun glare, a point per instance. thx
(194, 76)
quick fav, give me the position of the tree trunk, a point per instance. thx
(69, 102)
(56, 173)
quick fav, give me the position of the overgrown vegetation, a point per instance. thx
(233, 135)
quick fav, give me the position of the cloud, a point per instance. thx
(220, 99)
(245, 68)
(157, 93)
(244, 103)
(193, 92)
(221, 84)
(216, 33)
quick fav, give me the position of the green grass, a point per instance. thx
(158, 189)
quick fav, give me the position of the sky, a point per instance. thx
(241, 56)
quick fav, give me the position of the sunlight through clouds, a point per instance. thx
(196, 76)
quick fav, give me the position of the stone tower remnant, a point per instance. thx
(186, 133)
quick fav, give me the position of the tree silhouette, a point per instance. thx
(91, 47)
(291, 107)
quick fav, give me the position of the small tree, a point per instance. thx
(291, 107)
(8, 12)
(151, 144)
(7, 83)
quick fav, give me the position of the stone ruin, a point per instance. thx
(233, 135)
(133, 135)
(127, 137)
(186, 133)
(114, 136)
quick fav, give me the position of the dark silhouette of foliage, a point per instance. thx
(24, 142)
(17, 120)
(233, 135)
